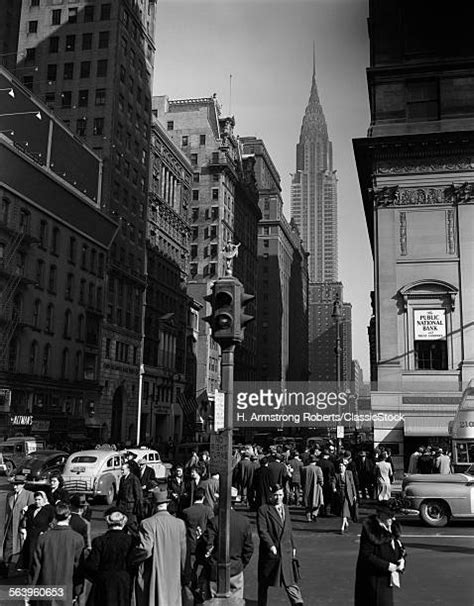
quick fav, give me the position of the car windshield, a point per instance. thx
(84, 459)
(7, 449)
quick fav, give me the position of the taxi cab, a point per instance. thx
(95, 473)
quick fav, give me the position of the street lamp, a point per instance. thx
(338, 315)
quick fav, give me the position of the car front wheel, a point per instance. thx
(434, 513)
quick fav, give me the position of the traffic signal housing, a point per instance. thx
(227, 320)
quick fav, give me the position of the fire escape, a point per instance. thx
(13, 226)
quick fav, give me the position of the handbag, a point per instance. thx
(296, 569)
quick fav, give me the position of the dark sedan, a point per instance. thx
(40, 465)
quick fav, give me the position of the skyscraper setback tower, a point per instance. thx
(314, 191)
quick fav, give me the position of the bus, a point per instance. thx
(462, 431)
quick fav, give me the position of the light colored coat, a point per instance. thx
(13, 515)
(313, 481)
(163, 543)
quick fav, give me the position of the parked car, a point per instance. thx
(40, 465)
(95, 473)
(14, 450)
(440, 498)
(153, 460)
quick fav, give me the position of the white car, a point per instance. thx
(153, 460)
(95, 473)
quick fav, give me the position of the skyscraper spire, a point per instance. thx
(313, 120)
(314, 61)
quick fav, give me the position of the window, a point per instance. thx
(170, 125)
(72, 250)
(196, 177)
(195, 194)
(66, 99)
(39, 276)
(431, 355)
(33, 358)
(84, 256)
(70, 42)
(72, 15)
(52, 72)
(52, 280)
(69, 295)
(104, 39)
(55, 241)
(54, 44)
(50, 100)
(98, 128)
(194, 159)
(85, 69)
(49, 327)
(81, 126)
(86, 41)
(43, 233)
(105, 12)
(80, 328)
(202, 139)
(56, 16)
(32, 27)
(30, 54)
(215, 194)
(102, 68)
(68, 72)
(100, 96)
(67, 324)
(35, 3)
(184, 141)
(36, 313)
(83, 99)
(82, 292)
(88, 13)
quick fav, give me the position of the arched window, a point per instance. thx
(430, 325)
(32, 361)
(78, 367)
(46, 363)
(67, 324)
(65, 363)
(37, 313)
(50, 318)
(55, 241)
(24, 224)
(80, 328)
(52, 281)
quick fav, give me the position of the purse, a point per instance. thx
(296, 569)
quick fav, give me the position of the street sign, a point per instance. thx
(340, 432)
(219, 410)
(220, 452)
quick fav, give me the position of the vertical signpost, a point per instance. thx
(227, 323)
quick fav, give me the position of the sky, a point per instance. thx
(266, 46)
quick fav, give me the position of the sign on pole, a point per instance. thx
(340, 432)
(219, 452)
(219, 410)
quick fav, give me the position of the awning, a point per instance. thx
(426, 426)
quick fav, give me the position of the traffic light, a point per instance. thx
(227, 320)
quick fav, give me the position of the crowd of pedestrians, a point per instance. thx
(161, 545)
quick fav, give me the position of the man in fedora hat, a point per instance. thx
(18, 501)
(162, 553)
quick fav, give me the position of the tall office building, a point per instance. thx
(314, 192)
(314, 210)
(92, 64)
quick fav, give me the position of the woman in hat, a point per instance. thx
(346, 492)
(381, 559)
(108, 564)
(37, 519)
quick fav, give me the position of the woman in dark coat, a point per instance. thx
(58, 492)
(381, 559)
(37, 519)
(346, 495)
(107, 565)
(176, 489)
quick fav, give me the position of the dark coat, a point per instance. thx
(56, 561)
(263, 482)
(278, 471)
(194, 516)
(147, 478)
(81, 526)
(240, 543)
(60, 494)
(376, 552)
(35, 525)
(130, 496)
(108, 568)
(346, 489)
(273, 569)
(245, 472)
(176, 493)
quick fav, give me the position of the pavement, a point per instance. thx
(439, 562)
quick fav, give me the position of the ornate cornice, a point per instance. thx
(423, 196)
(417, 165)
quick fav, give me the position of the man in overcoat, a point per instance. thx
(313, 482)
(58, 558)
(262, 483)
(277, 550)
(130, 496)
(162, 553)
(18, 501)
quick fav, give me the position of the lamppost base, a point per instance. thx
(225, 601)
